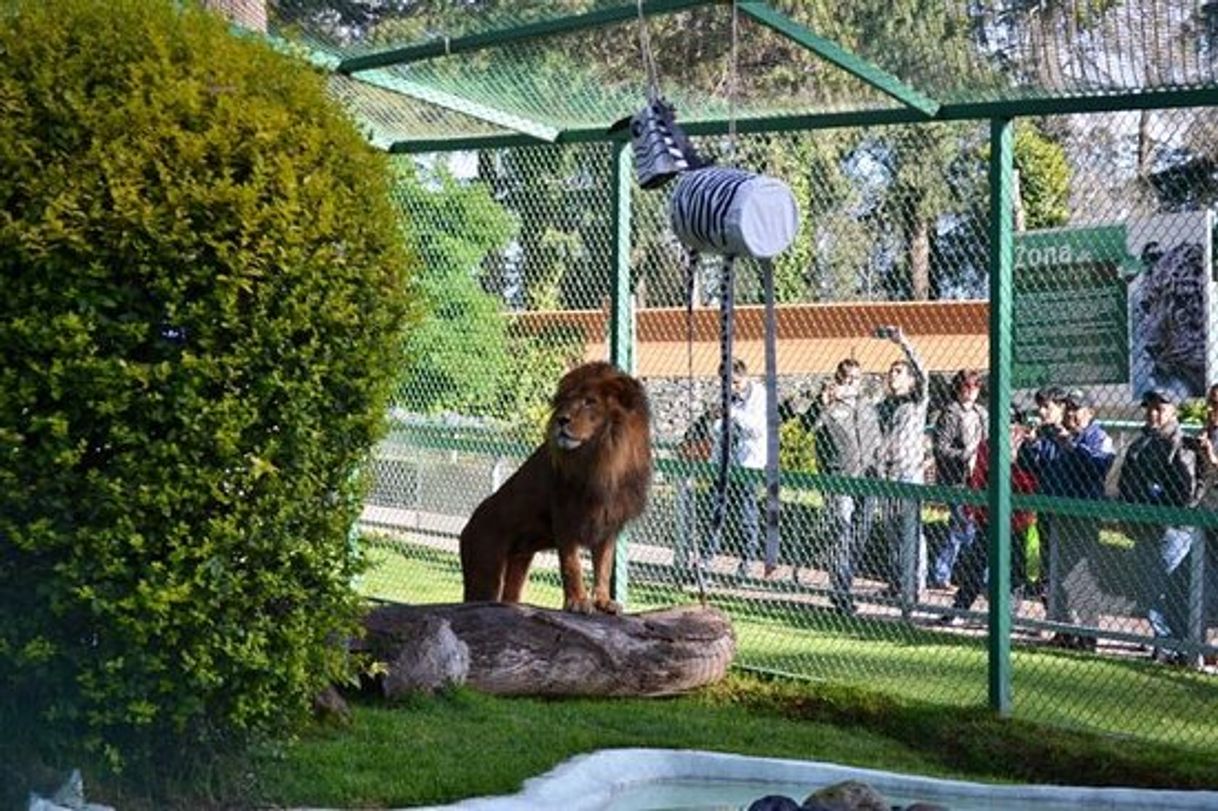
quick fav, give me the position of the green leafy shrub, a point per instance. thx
(1192, 411)
(204, 294)
(796, 447)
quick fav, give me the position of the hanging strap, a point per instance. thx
(691, 542)
(727, 287)
(772, 506)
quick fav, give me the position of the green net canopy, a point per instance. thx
(425, 72)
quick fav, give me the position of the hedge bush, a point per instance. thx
(204, 293)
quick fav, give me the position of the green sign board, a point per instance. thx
(1071, 322)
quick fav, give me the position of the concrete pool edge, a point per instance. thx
(587, 782)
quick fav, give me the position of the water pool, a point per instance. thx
(685, 780)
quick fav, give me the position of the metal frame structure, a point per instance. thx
(915, 108)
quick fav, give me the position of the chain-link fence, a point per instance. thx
(880, 575)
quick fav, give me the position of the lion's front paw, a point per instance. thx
(608, 607)
(578, 606)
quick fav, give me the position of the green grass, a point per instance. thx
(461, 744)
(920, 708)
(1129, 697)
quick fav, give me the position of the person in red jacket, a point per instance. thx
(971, 570)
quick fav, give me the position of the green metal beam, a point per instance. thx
(468, 142)
(621, 320)
(830, 51)
(1049, 105)
(520, 33)
(389, 81)
(1065, 105)
(583, 135)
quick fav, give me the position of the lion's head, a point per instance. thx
(600, 419)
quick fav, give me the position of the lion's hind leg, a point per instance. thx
(516, 576)
(482, 569)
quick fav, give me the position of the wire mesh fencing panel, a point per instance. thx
(879, 577)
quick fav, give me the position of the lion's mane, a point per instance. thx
(578, 489)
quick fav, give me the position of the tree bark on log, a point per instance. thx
(525, 650)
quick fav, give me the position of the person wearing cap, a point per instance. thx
(1160, 469)
(1084, 464)
(902, 416)
(1070, 457)
(957, 434)
(1041, 455)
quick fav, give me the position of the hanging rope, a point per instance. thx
(727, 293)
(649, 61)
(726, 318)
(732, 78)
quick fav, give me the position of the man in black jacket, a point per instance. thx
(847, 440)
(958, 431)
(1160, 468)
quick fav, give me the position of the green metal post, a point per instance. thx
(998, 495)
(621, 311)
(621, 307)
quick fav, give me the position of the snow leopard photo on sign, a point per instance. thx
(1168, 306)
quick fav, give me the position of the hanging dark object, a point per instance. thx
(661, 148)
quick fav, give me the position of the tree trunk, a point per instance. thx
(525, 650)
(1146, 145)
(919, 261)
(1019, 218)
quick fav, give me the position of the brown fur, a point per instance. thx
(565, 498)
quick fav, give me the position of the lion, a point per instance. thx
(587, 479)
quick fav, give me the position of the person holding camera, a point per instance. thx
(1161, 468)
(748, 450)
(1070, 457)
(902, 420)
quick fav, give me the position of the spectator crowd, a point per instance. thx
(1058, 449)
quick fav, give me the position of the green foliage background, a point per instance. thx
(204, 293)
(465, 355)
(457, 355)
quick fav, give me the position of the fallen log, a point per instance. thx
(526, 650)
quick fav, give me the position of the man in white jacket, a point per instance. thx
(748, 451)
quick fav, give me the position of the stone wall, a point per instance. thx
(671, 399)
